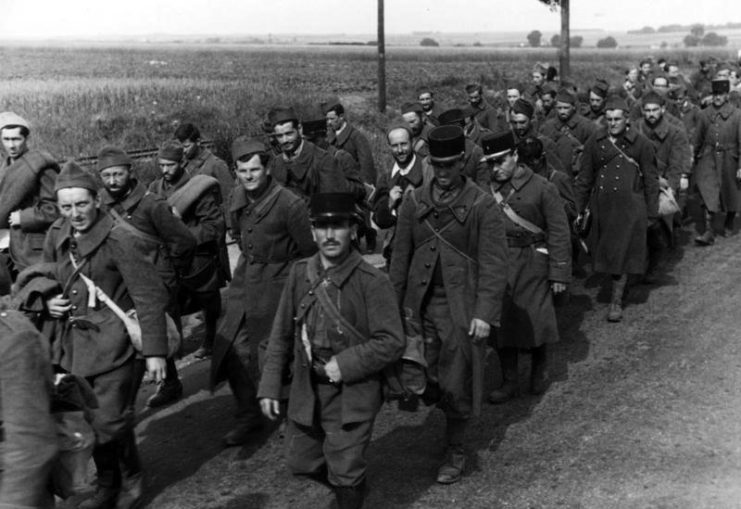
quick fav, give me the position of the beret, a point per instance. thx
(523, 107)
(112, 156)
(8, 118)
(171, 150)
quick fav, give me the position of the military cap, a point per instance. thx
(330, 103)
(332, 206)
(112, 156)
(523, 107)
(10, 119)
(281, 115)
(549, 89)
(411, 107)
(497, 144)
(540, 68)
(565, 96)
(171, 150)
(243, 146)
(615, 102)
(721, 86)
(568, 85)
(447, 142)
(652, 97)
(600, 88)
(72, 175)
(312, 127)
(453, 116)
(513, 85)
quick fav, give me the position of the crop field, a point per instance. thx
(81, 98)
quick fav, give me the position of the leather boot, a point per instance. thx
(728, 224)
(539, 370)
(509, 387)
(105, 457)
(350, 497)
(455, 463)
(615, 314)
(708, 237)
(132, 481)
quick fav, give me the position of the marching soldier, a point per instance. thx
(538, 263)
(449, 271)
(338, 318)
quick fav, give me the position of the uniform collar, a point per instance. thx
(343, 134)
(90, 240)
(460, 206)
(522, 176)
(262, 205)
(660, 131)
(336, 275)
(129, 201)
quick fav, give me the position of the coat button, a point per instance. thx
(74, 308)
(424, 282)
(432, 248)
(74, 292)
(428, 265)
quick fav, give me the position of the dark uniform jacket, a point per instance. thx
(312, 171)
(474, 167)
(549, 148)
(357, 145)
(115, 266)
(351, 170)
(166, 241)
(535, 259)
(474, 289)
(366, 300)
(489, 117)
(622, 198)
(672, 149)
(27, 184)
(717, 146)
(475, 132)
(205, 221)
(385, 214)
(206, 163)
(272, 232)
(569, 137)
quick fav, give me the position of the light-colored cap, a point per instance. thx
(8, 118)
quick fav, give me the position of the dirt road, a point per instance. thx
(641, 414)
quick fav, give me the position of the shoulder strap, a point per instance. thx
(514, 216)
(124, 224)
(626, 156)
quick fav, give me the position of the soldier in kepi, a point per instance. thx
(197, 201)
(100, 269)
(448, 268)
(27, 202)
(538, 265)
(338, 319)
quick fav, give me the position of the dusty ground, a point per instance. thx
(642, 414)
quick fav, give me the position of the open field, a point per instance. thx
(80, 98)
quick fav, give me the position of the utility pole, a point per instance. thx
(381, 60)
(564, 50)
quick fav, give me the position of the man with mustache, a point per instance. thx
(339, 320)
(302, 167)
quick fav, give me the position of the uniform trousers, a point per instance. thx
(341, 448)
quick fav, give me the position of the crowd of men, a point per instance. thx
(485, 214)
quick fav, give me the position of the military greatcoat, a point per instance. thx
(623, 195)
(313, 170)
(569, 137)
(717, 145)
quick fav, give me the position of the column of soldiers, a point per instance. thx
(484, 211)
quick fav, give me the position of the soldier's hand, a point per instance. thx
(332, 368)
(395, 195)
(479, 330)
(663, 183)
(738, 174)
(14, 220)
(270, 408)
(557, 287)
(156, 368)
(58, 306)
(684, 183)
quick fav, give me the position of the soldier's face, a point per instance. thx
(503, 166)
(548, 101)
(425, 99)
(401, 146)
(632, 75)
(652, 113)
(474, 98)
(537, 78)
(190, 148)
(414, 121)
(13, 142)
(617, 122)
(596, 102)
(116, 180)
(512, 95)
(79, 206)
(333, 238)
(448, 173)
(673, 71)
(719, 100)
(645, 68)
(288, 137)
(252, 174)
(564, 110)
(520, 123)
(334, 121)
(171, 170)
(661, 86)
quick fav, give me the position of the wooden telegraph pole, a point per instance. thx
(381, 60)
(564, 50)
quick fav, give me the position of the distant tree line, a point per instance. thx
(681, 28)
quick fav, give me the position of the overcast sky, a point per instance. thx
(93, 18)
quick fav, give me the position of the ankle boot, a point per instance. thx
(509, 387)
(539, 370)
(350, 497)
(729, 223)
(105, 457)
(708, 237)
(615, 314)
